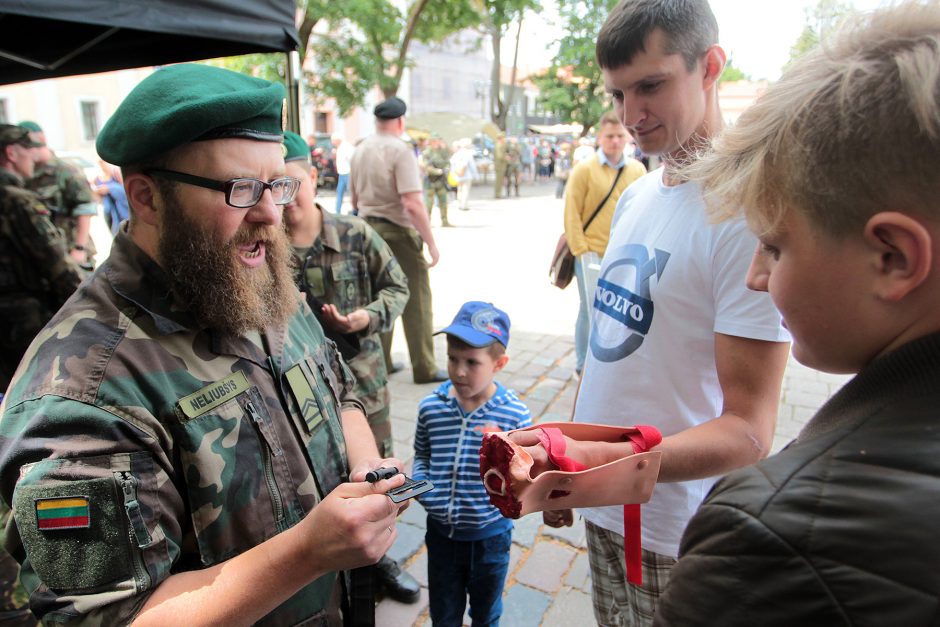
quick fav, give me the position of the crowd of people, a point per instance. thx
(200, 427)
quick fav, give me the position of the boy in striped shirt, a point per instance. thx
(468, 539)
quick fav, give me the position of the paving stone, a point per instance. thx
(544, 360)
(552, 416)
(533, 369)
(521, 383)
(409, 540)
(570, 607)
(414, 515)
(515, 554)
(542, 393)
(561, 373)
(574, 535)
(526, 529)
(545, 566)
(391, 613)
(579, 575)
(536, 407)
(523, 607)
(418, 568)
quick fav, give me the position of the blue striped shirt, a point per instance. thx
(447, 452)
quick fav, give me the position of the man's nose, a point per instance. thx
(265, 211)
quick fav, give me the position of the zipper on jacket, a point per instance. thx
(136, 528)
(266, 463)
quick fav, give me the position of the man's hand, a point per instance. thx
(353, 526)
(435, 254)
(358, 472)
(558, 518)
(353, 322)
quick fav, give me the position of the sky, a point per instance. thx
(756, 34)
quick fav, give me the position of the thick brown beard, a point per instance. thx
(209, 280)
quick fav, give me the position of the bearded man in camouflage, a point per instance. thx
(180, 439)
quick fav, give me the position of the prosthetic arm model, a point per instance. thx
(505, 468)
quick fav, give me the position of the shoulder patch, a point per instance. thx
(67, 512)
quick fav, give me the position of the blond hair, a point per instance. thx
(609, 117)
(852, 128)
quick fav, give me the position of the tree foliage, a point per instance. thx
(572, 87)
(821, 20)
(732, 73)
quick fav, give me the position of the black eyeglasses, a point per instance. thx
(241, 193)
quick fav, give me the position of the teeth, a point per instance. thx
(253, 253)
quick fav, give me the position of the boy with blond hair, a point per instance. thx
(840, 527)
(468, 539)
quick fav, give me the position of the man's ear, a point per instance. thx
(904, 248)
(141, 194)
(713, 64)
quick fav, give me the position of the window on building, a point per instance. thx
(322, 122)
(91, 119)
(4, 111)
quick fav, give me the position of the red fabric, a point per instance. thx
(553, 441)
(643, 440)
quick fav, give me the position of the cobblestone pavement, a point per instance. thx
(499, 251)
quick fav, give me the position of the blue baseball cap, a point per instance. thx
(479, 324)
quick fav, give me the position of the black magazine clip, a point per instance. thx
(409, 489)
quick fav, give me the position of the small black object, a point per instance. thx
(381, 473)
(409, 489)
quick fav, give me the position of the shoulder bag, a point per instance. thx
(561, 270)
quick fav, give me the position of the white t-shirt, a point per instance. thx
(669, 281)
(344, 153)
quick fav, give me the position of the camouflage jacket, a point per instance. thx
(352, 267)
(436, 162)
(64, 190)
(36, 273)
(135, 444)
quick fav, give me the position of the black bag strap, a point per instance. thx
(606, 198)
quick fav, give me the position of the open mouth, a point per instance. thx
(252, 254)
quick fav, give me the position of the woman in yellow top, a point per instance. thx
(588, 185)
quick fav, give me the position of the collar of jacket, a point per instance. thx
(500, 397)
(329, 236)
(911, 370)
(10, 178)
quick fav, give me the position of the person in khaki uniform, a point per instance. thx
(499, 164)
(386, 191)
(356, 288)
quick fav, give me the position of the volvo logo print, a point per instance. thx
(626, 310)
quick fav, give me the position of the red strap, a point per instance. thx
(553, 441)
(643, 440)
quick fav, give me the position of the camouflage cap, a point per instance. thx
(10, 134)
(30, 126)
(189, 102)
(295, 148)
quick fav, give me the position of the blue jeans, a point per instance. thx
(457, 568)
(341, 183)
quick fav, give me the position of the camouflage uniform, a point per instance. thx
(134, 444)
(352, 267)
(436, 162)
(499, 166)
(513, 166)
(36, 273)
(64, 190)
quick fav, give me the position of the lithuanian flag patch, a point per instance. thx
(69, 512)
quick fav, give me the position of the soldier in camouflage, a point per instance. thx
(435, 161)
(36, 278)
(348, 273)
(513, 165)
(65, 191)
(178, 442)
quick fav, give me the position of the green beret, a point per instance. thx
(390, 109)
(295, 148)
(30, 126)
(189, 102)
(10, 135)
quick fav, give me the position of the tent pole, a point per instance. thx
(293, 91)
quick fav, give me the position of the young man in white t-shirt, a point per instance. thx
(677, 340)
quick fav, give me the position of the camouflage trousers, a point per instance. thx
(436, 188)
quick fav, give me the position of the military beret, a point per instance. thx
(10, 134)
(390, 109)
(189, 102)
(295, 148)
(30, 126)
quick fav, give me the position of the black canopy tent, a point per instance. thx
(51, 38)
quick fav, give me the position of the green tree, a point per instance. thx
(572, 88)
(732, 73)
(821, 20)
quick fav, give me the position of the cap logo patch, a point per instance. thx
(70, 512)
(483, 321)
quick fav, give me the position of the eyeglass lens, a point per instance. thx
(247, 192)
